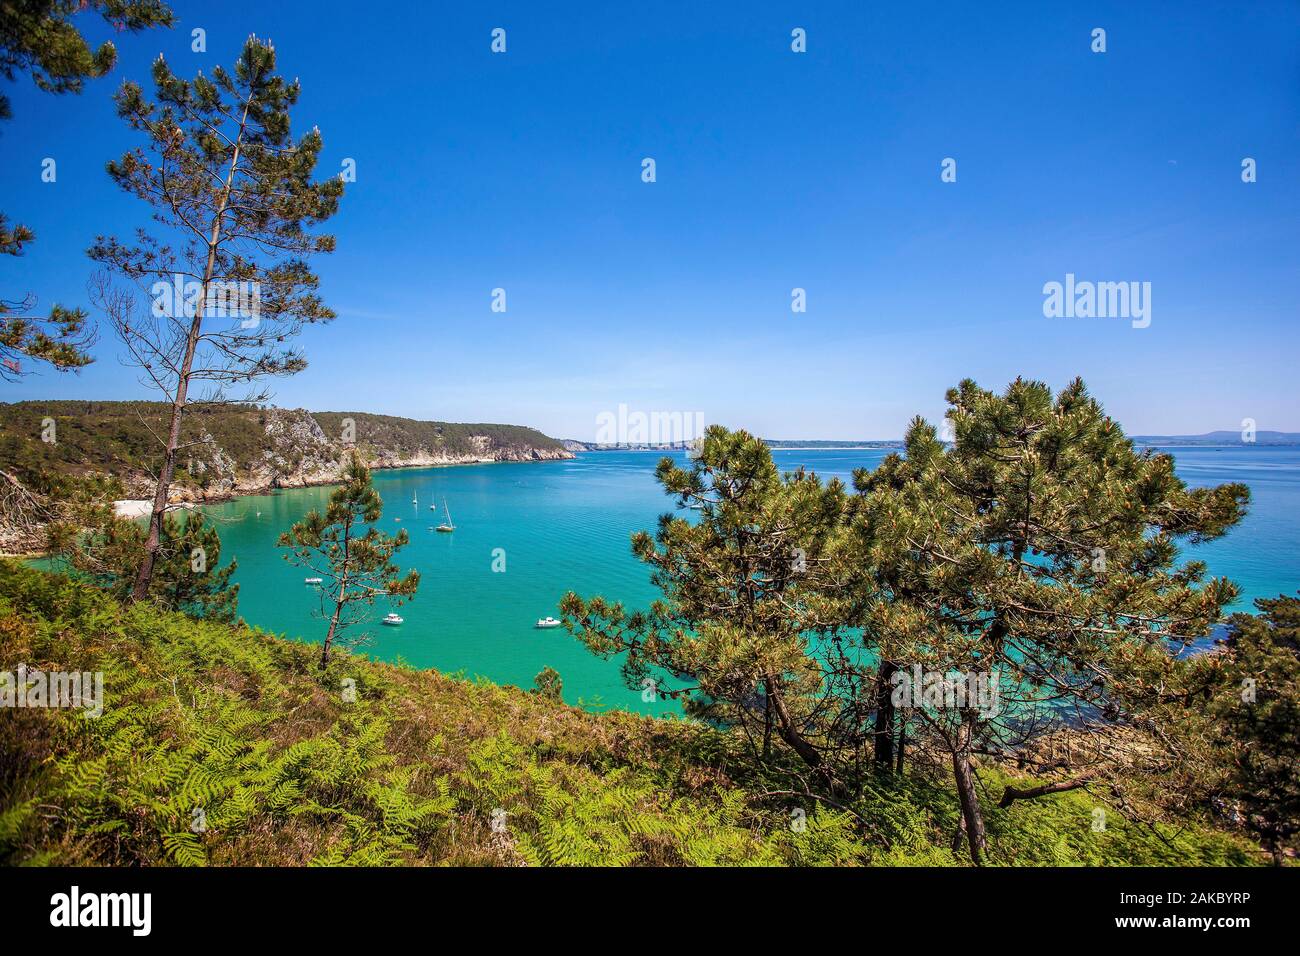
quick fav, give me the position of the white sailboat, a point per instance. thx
(446, 525)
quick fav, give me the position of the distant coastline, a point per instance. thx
(1224, 439)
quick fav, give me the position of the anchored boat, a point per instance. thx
(446, 525)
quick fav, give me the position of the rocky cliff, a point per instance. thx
(243, 449)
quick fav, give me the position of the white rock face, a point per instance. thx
(300, 453)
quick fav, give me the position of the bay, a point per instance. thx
(566, 525)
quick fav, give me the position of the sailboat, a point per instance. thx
(446, 525)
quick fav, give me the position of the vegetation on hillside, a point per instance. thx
(223, 745)
(406, 436)
(118, 438)
(1255, 720)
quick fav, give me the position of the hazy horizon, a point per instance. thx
(776, 439)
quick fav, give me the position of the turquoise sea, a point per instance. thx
(566, 525)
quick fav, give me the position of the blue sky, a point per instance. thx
(775, 170)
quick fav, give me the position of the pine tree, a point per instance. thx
(37, 37)
(1040, 549)
(741, 599)
(355, 565)
(189, 577)
(234, 193)
(549, 684)
(1257, 715)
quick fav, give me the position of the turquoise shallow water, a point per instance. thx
(566, 525)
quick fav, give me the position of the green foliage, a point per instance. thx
(549, 684)
(1082, 828)
(370, 764)
(1041, 547)
(233, 191)
(60, 338)
(38, 37)
(408, 437)
(1256, 721)
(187, 576)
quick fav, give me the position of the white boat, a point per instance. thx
(545, 622)
(313, 580)
(446, 525)
(392, 618)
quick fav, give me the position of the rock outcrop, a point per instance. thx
(244, 449)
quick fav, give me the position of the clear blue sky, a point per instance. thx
(775, 170)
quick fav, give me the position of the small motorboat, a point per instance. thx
(545, 622)
(310, 581)
(393, 619)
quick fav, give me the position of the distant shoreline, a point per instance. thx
(883, 445)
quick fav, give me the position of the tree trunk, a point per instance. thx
(767, 728)
(329, 635)
(342, 598)
(1012, 794)
(902, 747)
(885, 716)
(966, 793)
(154, 541)
(1275, 850)
(790, 734)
